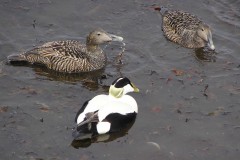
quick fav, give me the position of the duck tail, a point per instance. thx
(161, 9)
(78, 135)
(16, 58)
(83, 132)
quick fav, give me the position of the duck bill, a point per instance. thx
(115, 38)
(210, 42)
(135, 89)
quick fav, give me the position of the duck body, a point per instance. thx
(69, 56)
(186, 29)
(106, 114)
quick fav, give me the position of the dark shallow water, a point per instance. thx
(195, 115)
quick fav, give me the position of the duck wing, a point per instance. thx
(180, 20)
(85, 129)
(68, 48)
(91, 106)
(90, 117)
(81, 109)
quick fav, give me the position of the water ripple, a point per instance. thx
(227, 11)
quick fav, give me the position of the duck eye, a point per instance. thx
(98, 34)
(202, 29)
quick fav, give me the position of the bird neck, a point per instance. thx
(191, 39)
(96, 57)
(115, 92)
(91, 45)
(199, 42)
(95, 52)
(92, 48)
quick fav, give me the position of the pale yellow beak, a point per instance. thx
(135, 88)
(115, 38)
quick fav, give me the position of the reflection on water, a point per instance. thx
(83, 143)
(91, 80)
(96, 139)
(129, 59)
(205, 55)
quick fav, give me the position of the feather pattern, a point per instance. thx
(69, 56)
(186, 29)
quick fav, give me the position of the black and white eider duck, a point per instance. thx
(70, 56)
(107, 113)
(186, 29)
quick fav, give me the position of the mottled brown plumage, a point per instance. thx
(186, 29)
(70, 56)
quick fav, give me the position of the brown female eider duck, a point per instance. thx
(186, 29)
(70, 56)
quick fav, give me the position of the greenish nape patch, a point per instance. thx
(115, 92)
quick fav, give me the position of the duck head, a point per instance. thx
(122, 86)
(100, 36)
(204, 32)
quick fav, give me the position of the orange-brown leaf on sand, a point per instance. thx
(3, 109)
(43, 107)
(178, 72)
(156, 109)
(216, 112)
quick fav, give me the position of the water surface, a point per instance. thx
(188, 105)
